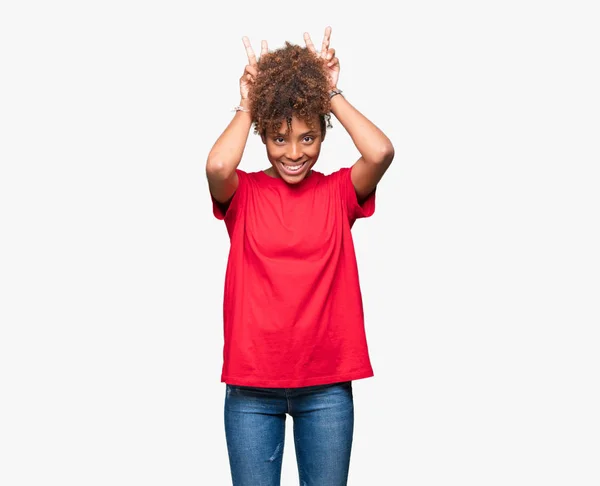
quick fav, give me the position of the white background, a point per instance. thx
(479, 269)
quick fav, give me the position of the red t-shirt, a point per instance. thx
(293, 313)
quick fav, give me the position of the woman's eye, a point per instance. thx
(282, 140)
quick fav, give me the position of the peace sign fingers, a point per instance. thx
(264, 48)
(324, 46)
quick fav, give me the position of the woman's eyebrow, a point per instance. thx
(301, 135)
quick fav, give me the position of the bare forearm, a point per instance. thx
(227, 151)
(370, 141)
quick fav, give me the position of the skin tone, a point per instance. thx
(293, 152)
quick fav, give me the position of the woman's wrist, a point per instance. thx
(244, 106)
(333, 91)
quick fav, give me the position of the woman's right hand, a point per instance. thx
(251, 70)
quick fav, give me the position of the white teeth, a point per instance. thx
(293, 168)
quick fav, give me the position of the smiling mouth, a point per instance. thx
(292, 169)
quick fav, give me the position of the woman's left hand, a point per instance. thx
(327, 54)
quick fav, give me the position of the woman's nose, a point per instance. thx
(295, 152)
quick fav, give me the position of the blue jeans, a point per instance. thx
(323, 427)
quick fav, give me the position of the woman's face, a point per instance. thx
(293, 154)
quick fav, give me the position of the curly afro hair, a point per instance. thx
(291, 81)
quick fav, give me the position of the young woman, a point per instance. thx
(294, 336)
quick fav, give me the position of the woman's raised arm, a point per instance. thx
(227, 151)
(375, 148)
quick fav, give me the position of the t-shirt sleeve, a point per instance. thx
(229, 210)
(355, 209)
